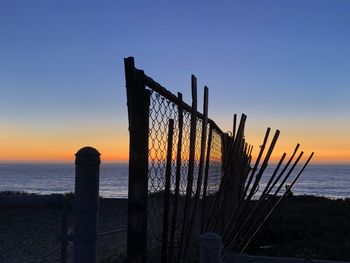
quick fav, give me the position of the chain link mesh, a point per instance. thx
(161, 110)
(215, 163)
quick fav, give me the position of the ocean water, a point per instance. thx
(332, 181)
(59, 178)
(323, 180)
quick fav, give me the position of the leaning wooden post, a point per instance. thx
(234, 126)
(191, 161)
(177, 179)
(138, 111)
(200, 171)
(164, 258)
(204, 219)
(86, 203)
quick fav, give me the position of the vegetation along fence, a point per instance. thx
(187, 176)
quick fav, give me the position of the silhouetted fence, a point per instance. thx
(174, 194)
(186, 176)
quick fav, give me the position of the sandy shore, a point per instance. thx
(303, 226)
(29, 230)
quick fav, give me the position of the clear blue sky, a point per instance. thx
(283, 63)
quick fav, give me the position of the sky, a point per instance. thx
(283, 63)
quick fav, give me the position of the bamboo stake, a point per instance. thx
(240, 202)
(220, 198)
(264, 206)
(286, 167)
(206, 173)
(259, 202)
(164, 257)
(276, 192)
(190, 162)
(234, 126)
(200, 171)
(276, 205)
(254, 187)
(177, 179)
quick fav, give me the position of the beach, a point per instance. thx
(302, 226)
(30, 233)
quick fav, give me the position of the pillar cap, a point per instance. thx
(87, 156)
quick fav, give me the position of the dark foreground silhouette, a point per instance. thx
(307, 227)
(302, 226)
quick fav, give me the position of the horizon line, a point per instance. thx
(123, 161)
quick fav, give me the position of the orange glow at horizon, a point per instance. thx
(112, 149)
(108, 154)
(30, 146)
(337, 152)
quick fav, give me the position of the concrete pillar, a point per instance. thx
(210, 248)
(86, 204)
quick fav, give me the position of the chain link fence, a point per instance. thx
(201, 186)
(161, 110)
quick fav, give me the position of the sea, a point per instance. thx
(331, 181)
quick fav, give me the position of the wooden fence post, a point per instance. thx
(200, 172)
(138, 112)
(177, 179)
(164, 257)
(191, 160)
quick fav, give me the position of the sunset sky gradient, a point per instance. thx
(283, 63)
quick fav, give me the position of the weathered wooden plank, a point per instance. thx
(138, 105)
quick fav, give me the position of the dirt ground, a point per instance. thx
(31, 233)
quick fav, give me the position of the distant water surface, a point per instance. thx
(322, 180)
(59, 178)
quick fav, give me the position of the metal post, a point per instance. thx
(209, 248)
(86, 203)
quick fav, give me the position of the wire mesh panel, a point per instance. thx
(185, 153)
(215, 165)
(197, 153)
(183, 213)
(161, 110)
(202, 186)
